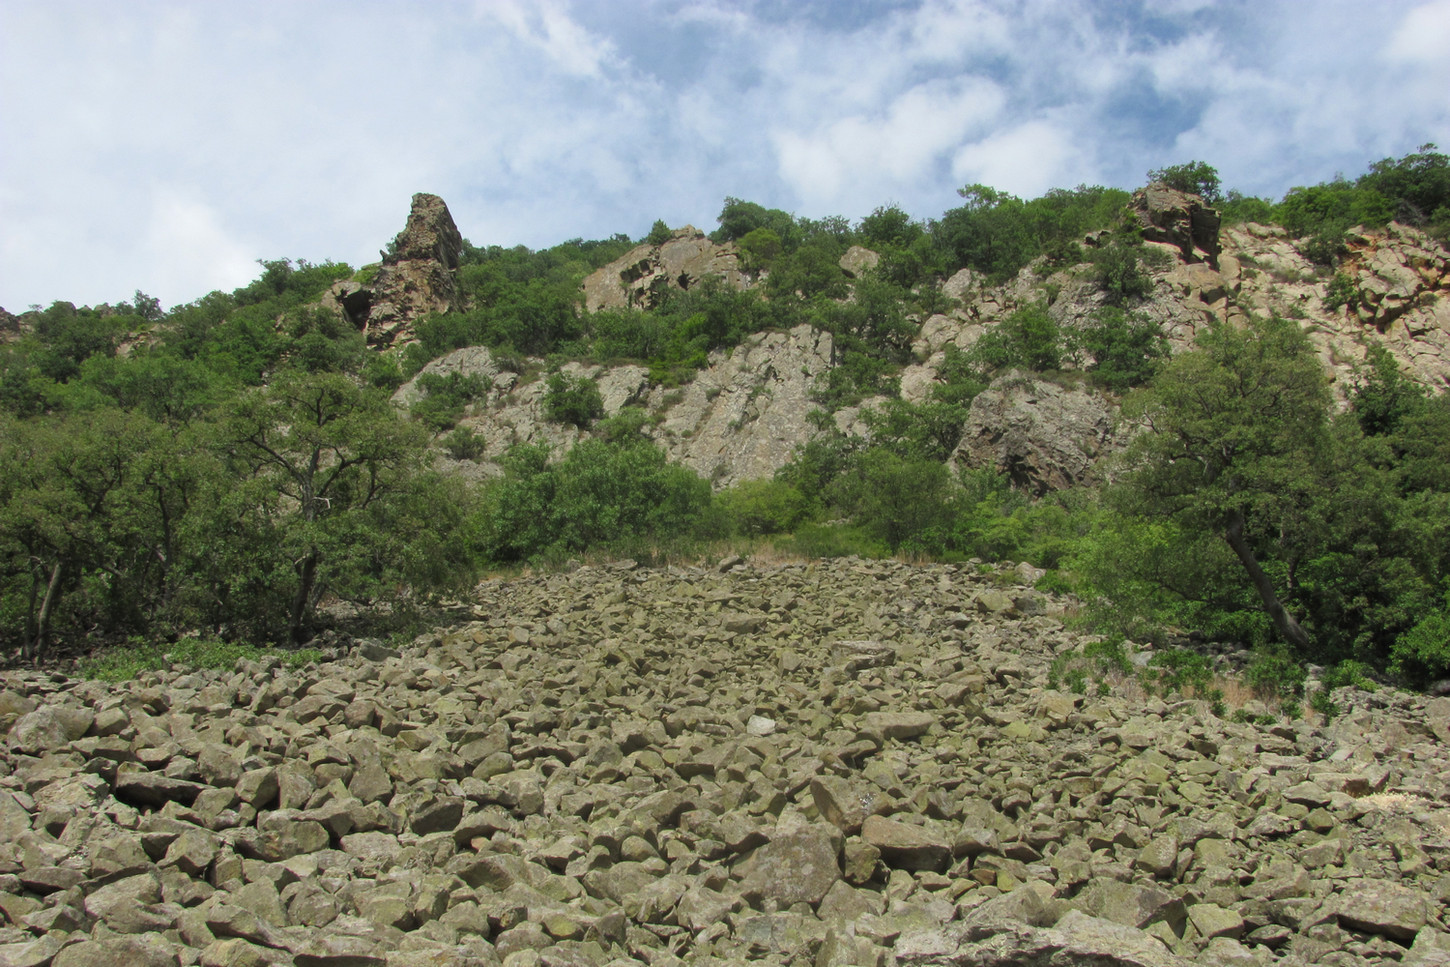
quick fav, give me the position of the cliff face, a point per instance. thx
(641, 277)
(415, 279)
(743, 416)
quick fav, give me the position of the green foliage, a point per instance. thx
(1330, 209)
(1417, 185)
(1028, 338)
(1118, 269)
(1349, 674)
(1182, 670)
(599, 495)
(126, 663)
(572, 399)
(659, 233)
(446, 396)
(759, 507)
(1096, 662)
(1341, 291)
(739, 218)
(1194, 177)
(1382, 398)
(1237, 208)
(760, 248)
(1422, 654)
(1275, 673)
(998, 234)
(923, 431)
(464, 444)
(1126, 350)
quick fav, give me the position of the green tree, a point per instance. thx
(572, 399)
(1237, 427)
(319, 458)
(1195, 177)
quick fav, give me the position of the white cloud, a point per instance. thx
(1423, 37)
(301, 130)
(1025, 160)
(188, 245)
(546, 25)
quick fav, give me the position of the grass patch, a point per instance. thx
(122, 663)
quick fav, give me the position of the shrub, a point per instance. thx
(446, 396)
(1276, 674)
(1422, 654)
(1126, 349)
(758, 507)
(463, 444)
(572, 399)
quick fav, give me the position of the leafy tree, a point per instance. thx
(739, 218)
(319, 458)
(659, 233)
(1195, 177)
(1418, 185)
(572, 399)
(1237, 427)
(1029, 337)
(760, 248)
(1126, 350)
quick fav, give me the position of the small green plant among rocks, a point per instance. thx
(125, 662)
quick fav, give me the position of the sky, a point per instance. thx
(168, 146)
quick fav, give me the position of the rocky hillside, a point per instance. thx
(841, 763)
(742, 418)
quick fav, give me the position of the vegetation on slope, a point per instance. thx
(238, 464)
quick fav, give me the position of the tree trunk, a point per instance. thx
(1283, 620)
(307, 577)
(41, 643)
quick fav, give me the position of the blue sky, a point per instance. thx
(166, 146)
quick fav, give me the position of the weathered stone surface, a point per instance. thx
(570, 777)
(640, 277)
(1041, 435)
(1179, 219)
(1378, 906)
(906, 846)
(415, 278)
(797, 866)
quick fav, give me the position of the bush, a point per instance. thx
(1028, 338)
(446, 397)
(464, 444)
(1119, 272)
(1276, 674)
(759, 507)
(572, 399)
(1422, 654)
(1126, 349)
(1195, 177)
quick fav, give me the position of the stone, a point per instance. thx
(1040, 435)
(1131, 904)
(640, 277)
(797, 866)
(907, 846)
(1212, 920)
(1382, 907)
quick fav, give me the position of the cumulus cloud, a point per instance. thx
(301, 130)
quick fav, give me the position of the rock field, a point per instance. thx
(830, 763)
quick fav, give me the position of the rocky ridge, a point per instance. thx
(743, 416)
(836, 763)
(416, 277)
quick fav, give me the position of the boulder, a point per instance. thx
(1180, 219)
(1042, 436)
(641, 277)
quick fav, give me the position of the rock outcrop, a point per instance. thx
(641, 277)
(1042, 436)
(841, 763)
(1172, 217)
(414, 280)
